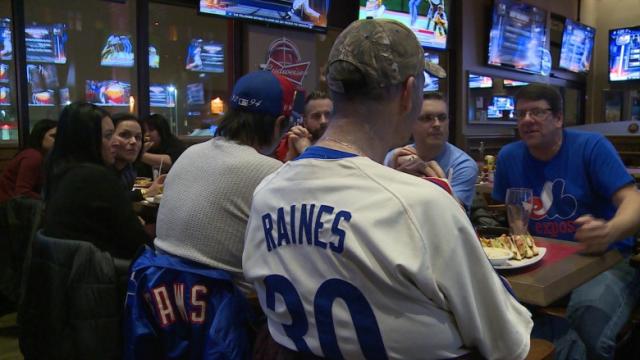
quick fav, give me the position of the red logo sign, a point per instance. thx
(284, 58)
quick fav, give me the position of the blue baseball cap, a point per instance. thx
(263, 92)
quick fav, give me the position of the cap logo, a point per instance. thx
(245, 102)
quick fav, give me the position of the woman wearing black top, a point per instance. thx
(163, 147)
(84, 198)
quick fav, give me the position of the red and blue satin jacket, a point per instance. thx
(178, 309)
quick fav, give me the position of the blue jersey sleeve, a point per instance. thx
(608, 173)
(463, 181)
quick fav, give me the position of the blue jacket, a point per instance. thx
(178, 309)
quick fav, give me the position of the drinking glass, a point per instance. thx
(519, 202)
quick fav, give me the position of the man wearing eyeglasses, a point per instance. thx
(431, 155)
(582, 192)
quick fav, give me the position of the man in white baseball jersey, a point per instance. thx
(351, 259)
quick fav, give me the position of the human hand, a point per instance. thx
(146, 146)
(299, 139)
(156, 187)
(402, 155)
(594, 234)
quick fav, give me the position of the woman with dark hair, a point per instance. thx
(23, 174)
(163, 147)
(84, 198)
(129, 133)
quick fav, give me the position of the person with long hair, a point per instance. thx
(162, 148)
(129, 133)
(23, 176)
(84, 198)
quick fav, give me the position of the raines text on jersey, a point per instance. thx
(303, 224)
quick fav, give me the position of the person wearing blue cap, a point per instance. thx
(201, 225)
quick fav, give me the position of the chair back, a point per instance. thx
(72, 302)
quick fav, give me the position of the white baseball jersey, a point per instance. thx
(351, 259)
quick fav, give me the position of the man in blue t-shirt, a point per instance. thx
(431, 154)
(582, 192)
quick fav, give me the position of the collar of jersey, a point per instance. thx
(321, 152)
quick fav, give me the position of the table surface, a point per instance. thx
(554, 277)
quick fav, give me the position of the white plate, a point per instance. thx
(516, 264)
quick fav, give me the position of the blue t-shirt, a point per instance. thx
(464, 172)
(580, 179)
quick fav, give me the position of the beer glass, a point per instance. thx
(519, 202)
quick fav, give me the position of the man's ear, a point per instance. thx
(406, 98)
(280, 127)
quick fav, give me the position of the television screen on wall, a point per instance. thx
(46, 43)
(624, 54)
(431, 83)
(518, 38)
(479, 81)
(501, 107)
(305, 14)
(108, 93)
(117, 51)
(428, 19)
(205, 56)
(577, 46)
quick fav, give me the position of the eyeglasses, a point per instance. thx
(535, 113)
(431, 117)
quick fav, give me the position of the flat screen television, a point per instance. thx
(501, 107)
(518, 38)
(6, 44)
(42, 77)
(427, 19)
(4, 73)
(514, 83)
(480, 82)
(162, 95)
(205, 56)
(108, 92)
(117, 51)
(577, 46)
(624, 54)
(5, 96)
(431, 83)
(46, 43)
(42, 98)
(304, 14)
(195, 94)
(154, 57)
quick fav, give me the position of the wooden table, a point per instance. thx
(547, 281)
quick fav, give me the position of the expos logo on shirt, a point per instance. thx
(553, 203)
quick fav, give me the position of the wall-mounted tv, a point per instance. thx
(431, 83)
(46, 43)
(514, 83)
(117, 51)
(479, 81)
(5, 96)
(205, 56)
(518, 37)
(428, 19)
(624, 54)
(154, 57)
(162, 95)
(4, 73)
(108, 93)
(6, 43)
(195, 94)
(42, 77)
(577, 46)
(295, 13)
(501, 107)
(42, 98)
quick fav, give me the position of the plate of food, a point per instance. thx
(142, 182)
(523, 249)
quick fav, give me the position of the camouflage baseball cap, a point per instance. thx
(385, 51)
